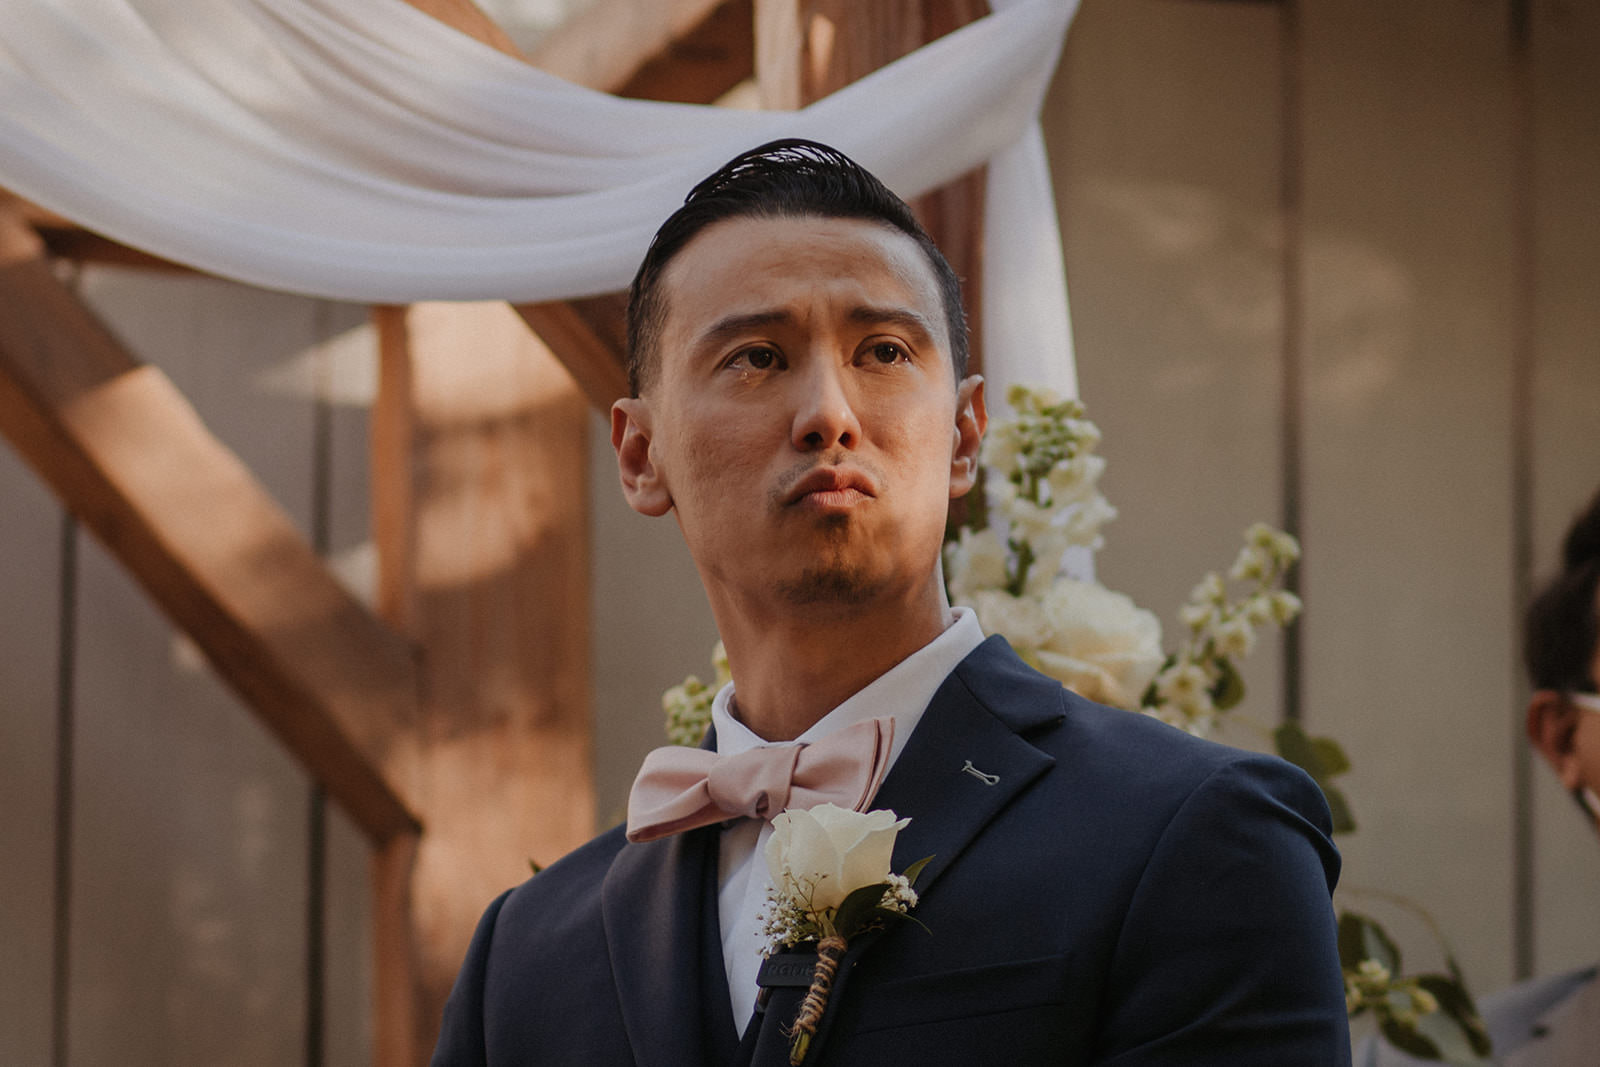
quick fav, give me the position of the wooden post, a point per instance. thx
(806, 49)
(480, 485)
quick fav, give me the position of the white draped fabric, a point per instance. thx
(361, 150)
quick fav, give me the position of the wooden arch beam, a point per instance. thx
(126, 453)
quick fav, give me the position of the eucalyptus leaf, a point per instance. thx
(1360, 938)
(1449, 1037)
(1456, 1004)
(1330, 756)
(1339, 808)
(1150, 698)
(1294, 745)
(1405, 1037)
(1229, 689)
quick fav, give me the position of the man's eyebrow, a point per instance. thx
(731, 326)
(902, 317)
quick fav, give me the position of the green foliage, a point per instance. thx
(1429, 1016)
(1324, 759)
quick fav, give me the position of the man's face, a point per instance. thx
(804, 423)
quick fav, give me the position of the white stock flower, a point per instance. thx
(1253, 564)
(1072, 480)
(1285, 607)
(1001, 447)
(1209, 591)
(1258, 609)
(976, 562)
(1235, 637)
(1100, 644)
(1197, 616)
(1029, 520)
(1084, 522)
(827, 852)
(1019, 620)
(1282, 547)
(1187, 687)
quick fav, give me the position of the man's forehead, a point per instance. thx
(750, 260)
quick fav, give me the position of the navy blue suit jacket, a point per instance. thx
(1124, 895)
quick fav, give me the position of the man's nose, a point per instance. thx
(824, 415)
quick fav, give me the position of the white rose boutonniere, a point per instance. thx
(831, 881)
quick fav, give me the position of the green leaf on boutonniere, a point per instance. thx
(859, 909)
(915, 870)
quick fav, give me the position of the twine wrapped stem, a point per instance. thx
(830, 950)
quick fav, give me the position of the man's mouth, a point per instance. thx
(830, 489)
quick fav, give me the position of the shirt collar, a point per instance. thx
(903, 691)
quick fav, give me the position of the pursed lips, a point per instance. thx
(831, 487)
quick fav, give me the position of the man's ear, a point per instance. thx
(972, 418)
(1552, 723)
(643, 482)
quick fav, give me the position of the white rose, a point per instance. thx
(831, 851)
(1019, 620)
(1101, 644)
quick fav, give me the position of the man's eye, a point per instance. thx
(888, 352)
(758, 358)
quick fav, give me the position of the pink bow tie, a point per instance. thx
(681, 788)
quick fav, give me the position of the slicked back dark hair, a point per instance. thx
(781, 179)
(1562, 628)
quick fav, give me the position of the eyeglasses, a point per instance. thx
(1586, 701)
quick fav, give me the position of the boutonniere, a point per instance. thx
(831, 881)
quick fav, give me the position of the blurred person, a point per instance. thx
(1554, 1021)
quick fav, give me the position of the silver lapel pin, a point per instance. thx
(986, 779)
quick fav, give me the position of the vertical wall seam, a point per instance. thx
(1521, 371)
(66, 665)
(1291, 202)
(317, 808)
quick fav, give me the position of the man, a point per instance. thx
(1104, 889)
(1554, 1021)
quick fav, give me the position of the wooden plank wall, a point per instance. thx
(199, 876)
(1313, 249)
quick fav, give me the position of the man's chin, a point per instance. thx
(838, 586)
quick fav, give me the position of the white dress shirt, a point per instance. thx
(902, 692)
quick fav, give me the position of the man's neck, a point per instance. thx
(789, 673)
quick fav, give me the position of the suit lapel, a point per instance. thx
(659, 903)
(974, 720)
(947, 804)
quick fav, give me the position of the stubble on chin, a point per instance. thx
(832, 579)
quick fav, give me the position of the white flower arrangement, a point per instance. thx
(1042, 478)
